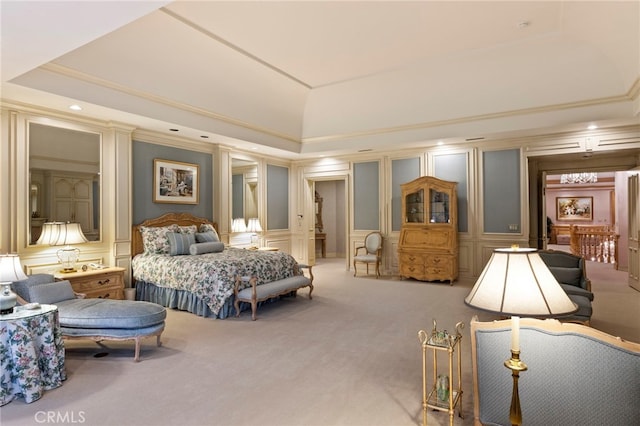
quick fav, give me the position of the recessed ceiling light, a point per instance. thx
(204, 137)
(75, 107)
(440, 143)
(592, 127)
(523, 24)
(174, 130)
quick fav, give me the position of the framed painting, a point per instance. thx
(175, 182)
(571, 209)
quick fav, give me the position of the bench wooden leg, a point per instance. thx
(254, 308)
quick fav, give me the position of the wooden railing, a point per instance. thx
(595, 243)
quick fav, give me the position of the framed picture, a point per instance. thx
(574, 208)
(175, 182)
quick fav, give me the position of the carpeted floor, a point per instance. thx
(350, 356)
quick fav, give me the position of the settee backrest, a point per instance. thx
(576, 375)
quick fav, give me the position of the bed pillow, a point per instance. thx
(155, 240)
(207, 237)
(202, 248)
(187, 229)
(179, 243)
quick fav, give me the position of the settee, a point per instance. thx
(95, 319)
(570, 272)
(575, 375)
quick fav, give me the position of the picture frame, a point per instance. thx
(175, 182)
(571, 209)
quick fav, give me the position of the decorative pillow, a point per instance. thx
(187, 229)
(202, 248)
(207, 237)
(154, 238)
(21, 288)
(52, 292)
(180, 243)
(207, 227)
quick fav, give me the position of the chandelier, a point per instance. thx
(585, 177)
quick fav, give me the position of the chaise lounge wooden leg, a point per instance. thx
(136, 357)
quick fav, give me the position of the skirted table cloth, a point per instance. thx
(31, 353)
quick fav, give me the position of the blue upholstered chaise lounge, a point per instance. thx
(95, 319)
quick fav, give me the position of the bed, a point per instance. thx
(202, 284)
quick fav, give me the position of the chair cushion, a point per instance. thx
(365, 258)
(578, 291)
(51, 293)
(109, 314)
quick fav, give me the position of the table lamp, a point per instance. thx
(516, 282)
(63, 234)
(10, 271)
(238, 225)
(254, 227)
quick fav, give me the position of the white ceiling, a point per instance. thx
(300, 78)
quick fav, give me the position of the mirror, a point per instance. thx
(244, 188)
(64, 179)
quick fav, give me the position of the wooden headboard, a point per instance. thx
(182, 219)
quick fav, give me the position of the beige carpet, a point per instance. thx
(350, 356)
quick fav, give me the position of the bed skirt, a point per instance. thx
(181, 300)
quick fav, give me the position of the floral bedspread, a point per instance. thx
(211, 276)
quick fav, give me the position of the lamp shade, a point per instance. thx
(516, 281)
(70, 233)
(254, 225)
(10, 268)
(50, 233)
(238, 225)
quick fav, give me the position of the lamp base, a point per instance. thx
(7, 299)
(516, 366)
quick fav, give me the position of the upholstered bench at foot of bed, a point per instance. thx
(258, 293)
(105, 319)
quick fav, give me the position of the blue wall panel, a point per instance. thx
(366, 199)
(143, 206)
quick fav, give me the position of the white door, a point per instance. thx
(311, 222)
(543, 208)
(634, 231)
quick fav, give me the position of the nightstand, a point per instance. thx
(106, 283)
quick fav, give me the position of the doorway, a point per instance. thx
(333, 219)
(609, 163)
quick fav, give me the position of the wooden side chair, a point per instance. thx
(369, 253)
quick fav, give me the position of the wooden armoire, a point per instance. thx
(428, 246)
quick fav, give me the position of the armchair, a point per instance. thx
(370, 252)
(95, 319)
(570, 272)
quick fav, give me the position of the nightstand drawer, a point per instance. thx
(104, 293)
(107, 283)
